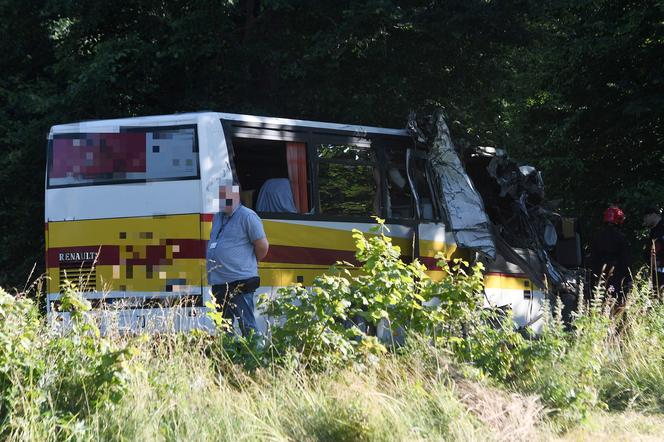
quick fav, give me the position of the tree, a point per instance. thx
(591, 111)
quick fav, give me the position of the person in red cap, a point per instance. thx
(610, 256)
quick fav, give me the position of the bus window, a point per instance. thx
(261, 163)
(136, 155)
(346, 184)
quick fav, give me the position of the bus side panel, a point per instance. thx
(525, 300)
(434, 239)
(302, 250)
(138, 255)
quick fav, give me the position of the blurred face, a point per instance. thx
(229, 198)
(651, 220)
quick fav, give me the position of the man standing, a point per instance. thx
(655, 249)
(237, 243)
(610, 257)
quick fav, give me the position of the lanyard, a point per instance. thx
(223, 224)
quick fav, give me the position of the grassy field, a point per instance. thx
(188, 388)
(462, 372)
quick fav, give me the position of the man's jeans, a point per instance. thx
(237, 305)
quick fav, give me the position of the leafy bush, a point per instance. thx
(563, 367)
(90, 370)
(60, 371)
(492, 344)
(329, 325)
(333, 322)
(20, 348)
(566, 366)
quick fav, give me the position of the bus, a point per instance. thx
(129, 205)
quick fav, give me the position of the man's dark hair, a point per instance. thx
(652, 209)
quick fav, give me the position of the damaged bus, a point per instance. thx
(129, 207)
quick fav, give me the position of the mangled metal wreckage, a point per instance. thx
(497, 210)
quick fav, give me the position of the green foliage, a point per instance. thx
(94, 371)
(61, 372)
(567, 366)
(492, 344)
(562, 367)
(20, 325)
(331, 322)
(574, 368)
(633, 376)
(592, 102)
(465, 377)
(229, 347)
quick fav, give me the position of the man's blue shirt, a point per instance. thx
(230, 251)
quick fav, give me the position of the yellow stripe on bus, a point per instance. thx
(140, 230)
(507, 282)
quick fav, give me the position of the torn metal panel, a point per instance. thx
(462, 203)
(514, 198)
(492, 204)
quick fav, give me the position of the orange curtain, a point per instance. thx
(296, 155)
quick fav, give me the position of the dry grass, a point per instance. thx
(509, 416)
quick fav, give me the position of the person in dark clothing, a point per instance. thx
(610, 257)
(655, 248)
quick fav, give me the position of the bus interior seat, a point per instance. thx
(276, 195)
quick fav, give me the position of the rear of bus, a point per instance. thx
(123, 220)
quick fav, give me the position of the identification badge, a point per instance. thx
(213, 245)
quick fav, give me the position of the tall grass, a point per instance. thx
(633, 375)
(490, 383)
(180, 390)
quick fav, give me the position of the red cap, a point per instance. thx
(614, 215)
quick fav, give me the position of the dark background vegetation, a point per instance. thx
(574, 87)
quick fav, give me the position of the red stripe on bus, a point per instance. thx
(207, 217)
(429, 262)
(196, 248)
(188, 248)
(308, 255)
(155, 255)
